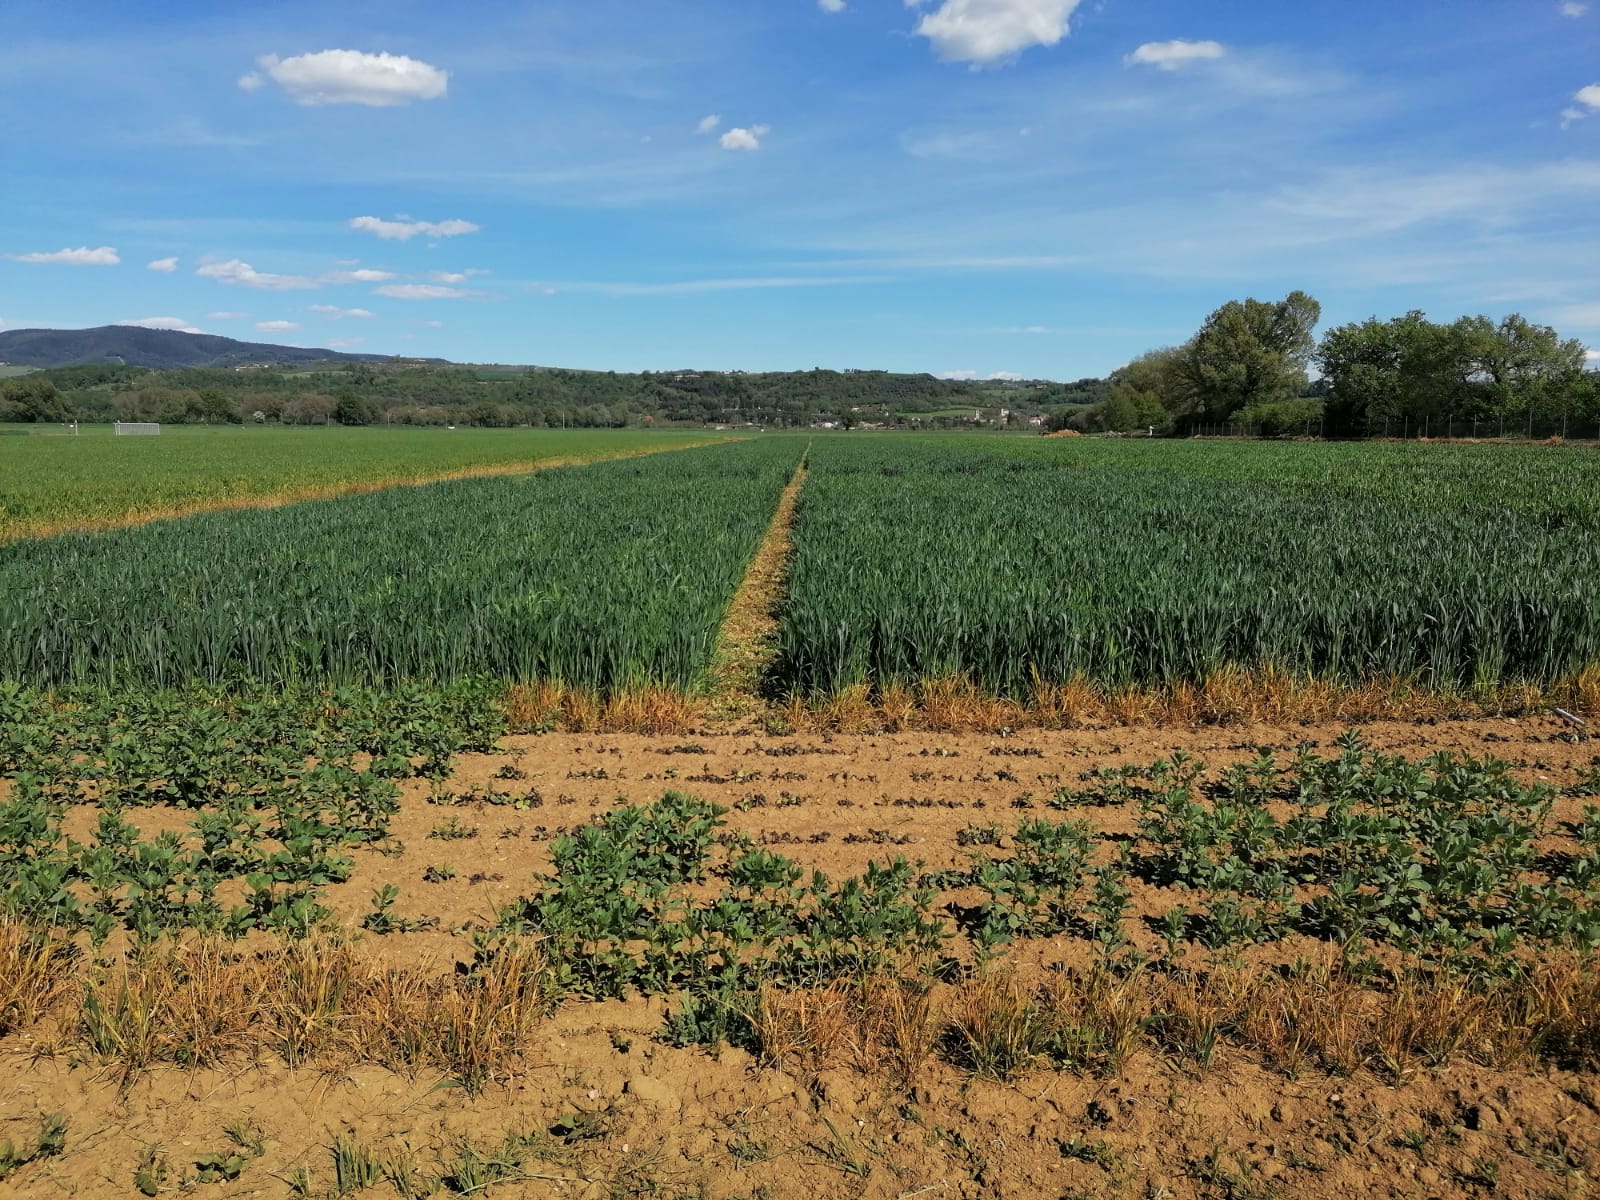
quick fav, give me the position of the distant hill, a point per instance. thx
(163, 349)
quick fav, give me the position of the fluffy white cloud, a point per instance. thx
(403, 229)
(178, 324)
(1571, 8)
(708, 123)
(1170, 56)
(276, 326)
(456, 276)
(334, 313)
(985, 32)
(420, 291)
(350, 77)
(831, 6)
(165, 265)
(740, 138)
(82, 256)
(958, 376)
(1589, 95)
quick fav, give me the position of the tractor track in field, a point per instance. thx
(747, 640)
(333, 491)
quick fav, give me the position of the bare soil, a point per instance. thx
(622, 1114)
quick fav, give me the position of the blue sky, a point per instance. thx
(1034, 187)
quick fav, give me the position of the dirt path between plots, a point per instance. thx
(748, 638)
(330, 491)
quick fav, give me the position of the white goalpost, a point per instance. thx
(137, 429)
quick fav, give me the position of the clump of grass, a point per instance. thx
(198, 1003)
(997, 1026)
(35, 973)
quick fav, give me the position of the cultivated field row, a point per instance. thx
(1019, 579)
(875, 964)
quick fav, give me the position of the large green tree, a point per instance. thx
(1248, 353)
(1410, 373)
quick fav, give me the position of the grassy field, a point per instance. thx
(1022, 569)
(606, 577)
(51, 482)
(1025, 562)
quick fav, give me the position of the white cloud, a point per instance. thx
(831, 6)
(1171, 56)
(359, 275)
(985, 32)
(227, 316)
(177, 324)
(82, 256)
(741, 138)
(974, 376)
(708, 123)
(1589, 355)
(334, 313)
(276, 326)
(403, 229)
(165, 265)
(242, 274)
(1589, 100)
(421, 291)
(350, 77)
(456, 276)
(1571, 8)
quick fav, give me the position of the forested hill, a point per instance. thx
(134, 346)
(412, 392)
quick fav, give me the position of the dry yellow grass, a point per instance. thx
(325, 1000)
(746, 641)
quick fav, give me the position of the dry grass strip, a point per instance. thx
(748, 638)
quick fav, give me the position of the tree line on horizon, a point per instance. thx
(1247, 370)
(377, 393)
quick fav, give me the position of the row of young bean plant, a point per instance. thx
(602, 577)
(277, 788)
(1150, 562)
